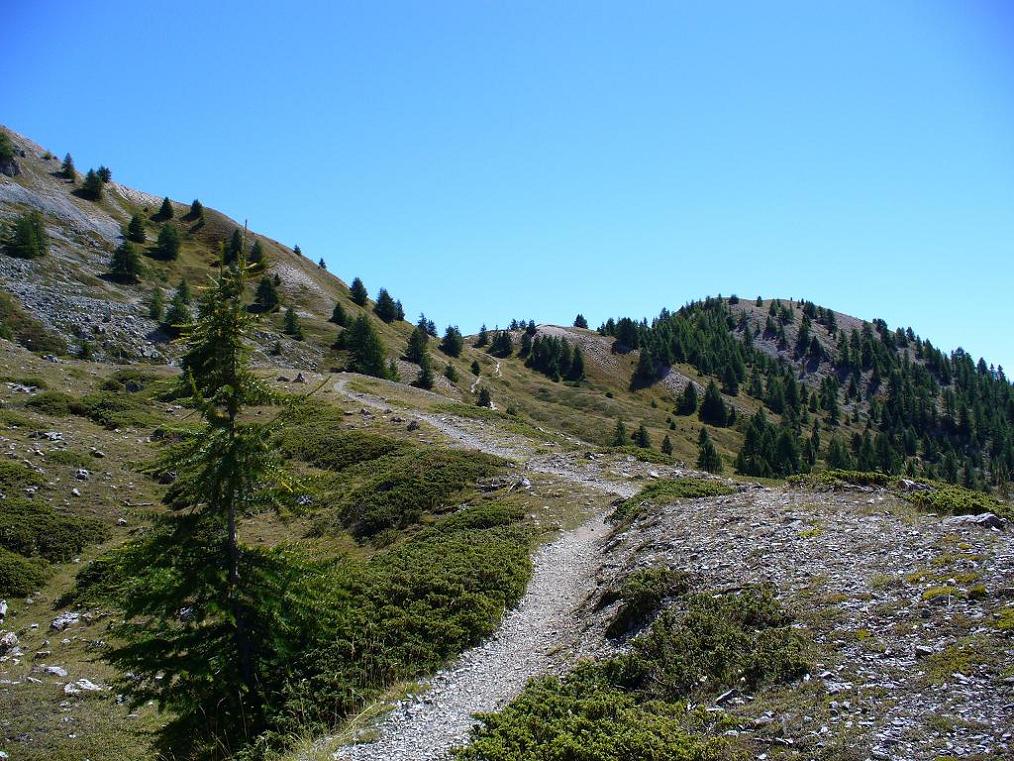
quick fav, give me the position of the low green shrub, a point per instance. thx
(407, 486)
(663, 491)
(116, 410)
(52, 403)
(957, 500)
(832, 479)
(632, 706)
(642, 595)
(32, 529)
(29, 380)
(15, 476)
(20, 576)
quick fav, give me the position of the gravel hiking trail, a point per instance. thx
(540, 636)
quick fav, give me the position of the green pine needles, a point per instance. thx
(206, 616)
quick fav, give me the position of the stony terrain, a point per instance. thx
(903, 607)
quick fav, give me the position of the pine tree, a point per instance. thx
(580, 322)
(418, 345)
(28, 239)
(196, 210)
(216, 668)
(485, 400)
(502, 345)
(619, 435)
(838, 454)
(425, 377)
(453, 342)
(234, 249)
(576, 372)
(266, 297)
(292, 326)
(156, 305)
(7, 152)
(125, 265)
(366, 352)
(641, 438)
(338, 316)
(483, 338)
(385, 308)
(92, 186)
(183, 292)
(688, 400)
(135, 229)
(67, 170)
(166, 212)
(256, 256)
(399, 311)
(667, 445)
(450, 373)
(357, 291)
(475, 367)
(297, 250)
(713, 410)
(322, 264)
(105, 174)
(708, 458)
(646, 373)
(168, 244)
(178, 316)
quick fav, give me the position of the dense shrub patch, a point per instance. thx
(642, 595)
(19, 576)
(34, 529)
(662, 491)
(630, 707)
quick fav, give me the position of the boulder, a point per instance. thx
(64, 620)
(982, 520)
(8, 642)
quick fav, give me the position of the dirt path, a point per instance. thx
(539, 636)
(533, 639)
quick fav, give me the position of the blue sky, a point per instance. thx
(488, 160)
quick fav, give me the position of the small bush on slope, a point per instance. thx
(34, 529)
(662, 491)
(20, 576)
(642, 595)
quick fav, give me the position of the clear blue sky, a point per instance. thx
(488, 160)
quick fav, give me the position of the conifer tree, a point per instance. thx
(502, 345)
(453, 342)
(256, 256)
(168, 244)
(28, 239)
(645, 374)
(322, 264)
(418, 345)
(183, 291)
(292, 326)
(105, 174)
(475, 367)
(580, 322)
(641, 438)
(196, 209)
(576, 372)
(135, 229)
(125, 265)
(713, 408)
(67, 170)
(619, 435)
(483, 338)
(688, 400)
(156, 305)
(385, 308)
(450, 373)
(357, 291)
(666, 445)
(838, 454)
(708, 458)
(366, 352)
(165, 211)
(92, 186)
(297, 250)
(485, 400)
(338, 316)
(216, 667)
(7, 152)
(425, 377)
(399, 311)
(232, 252)
(266, 297)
